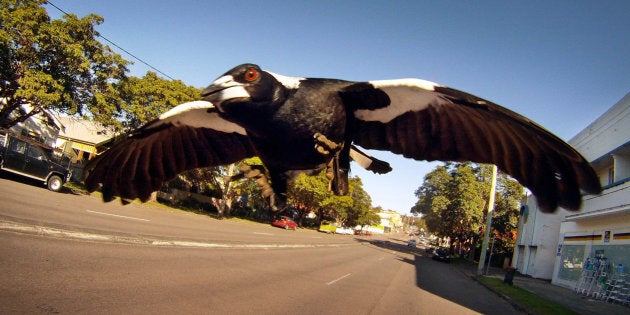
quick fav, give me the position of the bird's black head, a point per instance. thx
(247, 88)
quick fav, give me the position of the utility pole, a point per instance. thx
(486, 237)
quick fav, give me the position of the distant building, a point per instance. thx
(556, 246)
(390, 220)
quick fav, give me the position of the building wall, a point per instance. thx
(606, 133)
(537, 241)
(555, 246)
(603, 228)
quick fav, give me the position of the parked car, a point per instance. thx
(442, 253)
(429, 248)
(344, 230)
(284, 222)
(327, 227)
(412, 243)
(34, 160)
(362, 232)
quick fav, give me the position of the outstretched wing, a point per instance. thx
(426, 121)
(188, 136)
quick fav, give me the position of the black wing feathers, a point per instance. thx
(139, 164)
(455, 126)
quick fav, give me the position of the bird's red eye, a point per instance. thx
(251, 74)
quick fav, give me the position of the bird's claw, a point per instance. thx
(325, 146)
(338, 176)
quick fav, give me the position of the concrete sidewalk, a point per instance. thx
(561, 295)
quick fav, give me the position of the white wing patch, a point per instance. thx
(405, 94)
(182, 108)
(288, 82)
(198, 114)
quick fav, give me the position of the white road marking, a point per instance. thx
(263, 233)
(118, 216)
(340, 278)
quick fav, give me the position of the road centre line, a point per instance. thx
(116, 215)
(262, 233)
(138, 240)
(340, 278)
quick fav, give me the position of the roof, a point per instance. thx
(86, 131)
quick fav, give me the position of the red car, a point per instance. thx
(285, 222)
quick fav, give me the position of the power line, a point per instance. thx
(118, 46)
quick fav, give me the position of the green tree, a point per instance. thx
(54, 64)
(453, 201)
(433, 199)
(311, 193)
(506, 214)
(144, 99)
(307, 192)
(361, 212)
(367, 218)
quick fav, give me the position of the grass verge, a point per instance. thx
(533, 303)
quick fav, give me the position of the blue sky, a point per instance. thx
(560, 63)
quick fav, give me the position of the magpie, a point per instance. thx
(307, 124)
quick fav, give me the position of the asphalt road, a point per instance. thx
(67, 253)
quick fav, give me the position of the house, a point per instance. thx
(556, 246)
(43, 127)
(82, 139)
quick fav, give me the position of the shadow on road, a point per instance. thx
(446, 280)
(33, 182)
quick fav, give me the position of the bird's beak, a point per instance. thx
(224, 88)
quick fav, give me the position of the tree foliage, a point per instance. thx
(144, 99)
(453, 202)
(61, 65)
(311, 194)
(55, 64)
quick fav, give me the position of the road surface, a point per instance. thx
(67, 253)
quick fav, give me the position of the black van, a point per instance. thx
(34, 160)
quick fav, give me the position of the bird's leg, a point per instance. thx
(278, 196)
(339, 182)
(257, 173)
(335, 170)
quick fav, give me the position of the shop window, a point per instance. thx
(572, 258)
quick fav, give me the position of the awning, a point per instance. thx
(608, 212)
(83, 147)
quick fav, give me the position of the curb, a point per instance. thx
(514, 304)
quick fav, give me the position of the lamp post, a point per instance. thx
(486, 237)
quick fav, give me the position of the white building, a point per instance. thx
(390, 220)
(43, 126)
(555, 246)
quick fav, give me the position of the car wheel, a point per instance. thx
(286, 226)
(54, 183)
